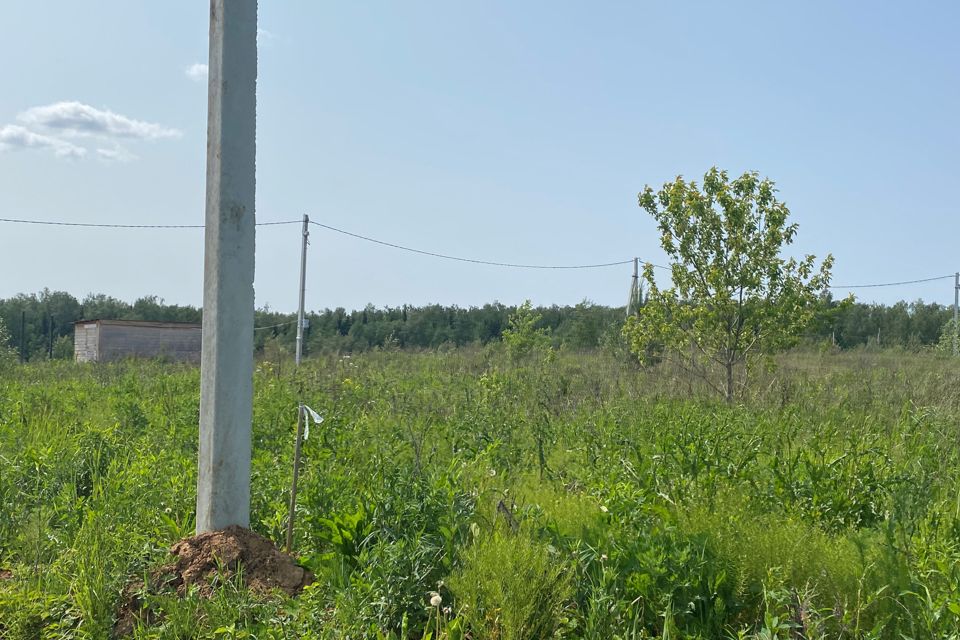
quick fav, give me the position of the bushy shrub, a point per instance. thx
(522, 336)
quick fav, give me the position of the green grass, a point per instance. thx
(557, 495)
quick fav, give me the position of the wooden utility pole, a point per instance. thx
(226, 364)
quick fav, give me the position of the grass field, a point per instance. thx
(564, 495)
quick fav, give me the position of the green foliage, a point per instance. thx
(512, 587)
(7, 355)
(583, 326)
(733, 294)
(573, 496)
(523, 336)
(949, 338)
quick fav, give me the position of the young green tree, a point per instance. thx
(522, 336)
(733, 295)
(949, 337)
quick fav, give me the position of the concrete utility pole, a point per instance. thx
(303, 287)
(633, 300)
(298, 443)
(226, 365)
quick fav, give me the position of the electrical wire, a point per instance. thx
(473, 260)
(56, 223)
(433, 254)
(274, 326)
(583, 266)
(888, 284)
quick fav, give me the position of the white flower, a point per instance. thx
(435, 599)
(604, 508)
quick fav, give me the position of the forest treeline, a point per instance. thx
(47, 324)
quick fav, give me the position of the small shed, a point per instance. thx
(107, 340)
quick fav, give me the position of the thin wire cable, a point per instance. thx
(473, 260)
(888, 284)
(274, 326)
(57, 223)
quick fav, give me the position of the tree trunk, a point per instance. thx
(729, 366)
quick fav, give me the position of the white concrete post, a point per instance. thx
(298, 444)
(226, 366)
(303, 287)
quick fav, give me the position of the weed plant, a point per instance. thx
(481, 493)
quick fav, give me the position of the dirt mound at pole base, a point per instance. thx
(225, 553)
(205, 561)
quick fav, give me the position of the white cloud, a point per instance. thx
(13, 137)
(78, 119)
(197, 72)
(264, 36)
(117, 154)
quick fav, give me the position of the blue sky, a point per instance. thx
(516, 132)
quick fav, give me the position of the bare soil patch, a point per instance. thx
(226, 552)
(211, 558)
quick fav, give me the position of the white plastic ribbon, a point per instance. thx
(317, 420)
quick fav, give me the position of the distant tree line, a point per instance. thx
(48, 319)
(904, 324)
(40, 325)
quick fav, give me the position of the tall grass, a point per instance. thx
(550, 495)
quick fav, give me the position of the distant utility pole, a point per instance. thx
(956, 304)
(300, 411)
(633, 300)
(226, 363)
(50, 338)
(23, 335)
(303, 286)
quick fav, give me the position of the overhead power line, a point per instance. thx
(474, 260)
(888, 284)
(56, 223)
(582, 266)
(434, 254)
(274, 326)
